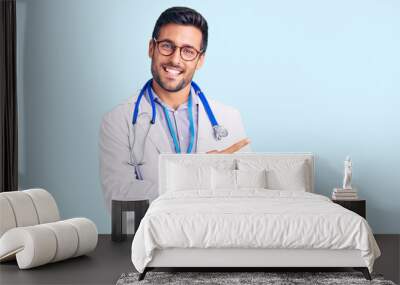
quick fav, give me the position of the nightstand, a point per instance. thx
(357, 206)
(118, 217)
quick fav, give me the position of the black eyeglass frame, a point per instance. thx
(174, 47)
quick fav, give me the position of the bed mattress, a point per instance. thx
(250, 219)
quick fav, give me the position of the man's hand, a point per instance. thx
(233, 148)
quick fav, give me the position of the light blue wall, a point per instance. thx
(313, 76)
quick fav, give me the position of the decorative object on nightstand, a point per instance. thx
(347, 196)
(357, 206)
(118, 216)
(348, 170)
(347, 192)
(343, 194)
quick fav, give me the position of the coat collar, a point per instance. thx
(159, 137)
(195, 99)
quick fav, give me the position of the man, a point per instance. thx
(129, 152)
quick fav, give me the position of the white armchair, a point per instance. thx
(32, 233)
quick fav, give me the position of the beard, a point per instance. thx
(181, 84)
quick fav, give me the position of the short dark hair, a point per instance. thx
(183, 16)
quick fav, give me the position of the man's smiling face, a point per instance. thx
(172, 73)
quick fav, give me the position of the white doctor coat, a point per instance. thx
(118, 177)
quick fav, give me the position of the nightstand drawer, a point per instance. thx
(357, 206)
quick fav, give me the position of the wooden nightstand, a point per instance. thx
(357, 206)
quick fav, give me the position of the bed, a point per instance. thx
(247, 210)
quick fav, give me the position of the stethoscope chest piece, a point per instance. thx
(220, 132)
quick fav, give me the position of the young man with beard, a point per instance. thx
(169, 115)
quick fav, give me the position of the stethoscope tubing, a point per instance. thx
(219, 131)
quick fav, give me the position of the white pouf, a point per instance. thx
(31, 232)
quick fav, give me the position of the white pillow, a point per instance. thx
(251, 178)
(182, 178)
(281, 174)
(223, 179)
(227, 179)
(288, 179)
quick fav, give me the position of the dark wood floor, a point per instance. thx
(110, 260)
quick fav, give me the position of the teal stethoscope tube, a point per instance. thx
(191, 126)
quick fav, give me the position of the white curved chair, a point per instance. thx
(32, 233)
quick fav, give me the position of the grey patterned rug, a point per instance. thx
(269, 278)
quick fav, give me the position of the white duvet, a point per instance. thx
(250, 218)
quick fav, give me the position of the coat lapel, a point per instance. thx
(204, 131)
(157, 134)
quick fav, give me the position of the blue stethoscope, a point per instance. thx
(219, 131)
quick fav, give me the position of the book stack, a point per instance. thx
(344, 194)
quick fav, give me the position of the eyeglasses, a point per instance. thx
(166, 47)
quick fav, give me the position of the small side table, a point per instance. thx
(357, 206)
(118, 217)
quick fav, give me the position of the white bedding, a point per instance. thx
(250, 218)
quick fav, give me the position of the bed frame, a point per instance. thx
(248, 259)
(260, 259)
